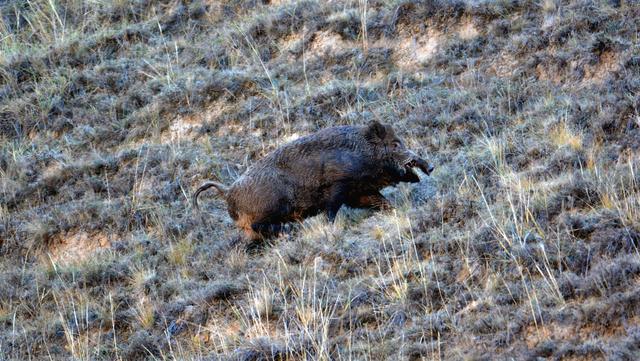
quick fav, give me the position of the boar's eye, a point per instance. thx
(396, 145)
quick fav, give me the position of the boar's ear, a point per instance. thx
(375, 131)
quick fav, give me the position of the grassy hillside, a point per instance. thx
(522, 244)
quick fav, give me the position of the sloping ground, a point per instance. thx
(523, 244)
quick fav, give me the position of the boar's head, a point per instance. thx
(393, 154)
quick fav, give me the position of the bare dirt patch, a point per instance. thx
(413, 51)
(182, 127)
(608, 63)
(327, 42)
(504, 66)
(555, 331)
(467, 30)
(73, 247)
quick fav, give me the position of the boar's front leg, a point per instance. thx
(335, 198)
(374, 201)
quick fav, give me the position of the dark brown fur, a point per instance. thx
(345, 165)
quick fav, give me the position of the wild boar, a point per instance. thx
(343, 165)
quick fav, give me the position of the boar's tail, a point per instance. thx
(222, 189)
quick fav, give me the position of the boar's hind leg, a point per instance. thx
(268, 230)
(375, 201)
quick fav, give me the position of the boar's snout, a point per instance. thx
(418, 162)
